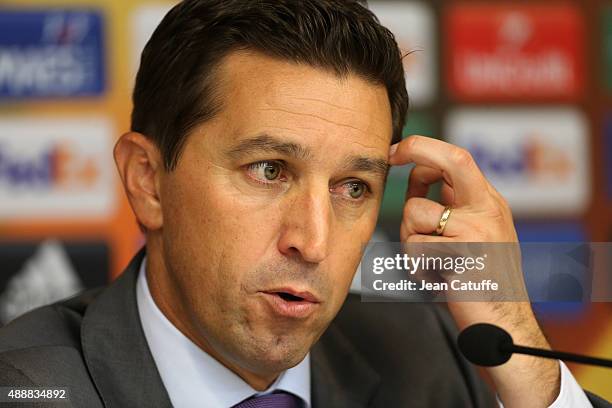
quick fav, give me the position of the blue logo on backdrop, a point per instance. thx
(562, 283)
(52, 53)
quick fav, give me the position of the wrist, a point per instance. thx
(526, 381)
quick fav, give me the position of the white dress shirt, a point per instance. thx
(194, 379)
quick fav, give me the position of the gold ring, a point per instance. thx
(443, 220)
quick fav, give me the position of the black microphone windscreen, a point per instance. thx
(482, 344)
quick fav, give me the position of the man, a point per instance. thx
(255, 167)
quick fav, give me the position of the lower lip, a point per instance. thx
(295, 309)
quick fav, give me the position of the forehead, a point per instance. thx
(261, 94)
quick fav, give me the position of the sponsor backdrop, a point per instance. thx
(525, 86)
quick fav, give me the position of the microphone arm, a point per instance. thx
(489, 345)
(557, 355)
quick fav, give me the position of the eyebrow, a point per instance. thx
(379, 167)
(270, 144)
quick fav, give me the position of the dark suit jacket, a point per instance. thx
(372, 355)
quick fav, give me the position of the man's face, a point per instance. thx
(268, 209)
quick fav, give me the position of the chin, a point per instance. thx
(278, 354)
(277, 364)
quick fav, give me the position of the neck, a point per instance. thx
(169, 303)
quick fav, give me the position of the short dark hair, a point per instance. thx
(175, 85)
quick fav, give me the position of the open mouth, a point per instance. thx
(291, 303)
(292, 295)
(289, 297)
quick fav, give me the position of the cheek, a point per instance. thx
(215, 224)
(346, 255)
(345, 262)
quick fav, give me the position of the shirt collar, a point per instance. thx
(191, 376)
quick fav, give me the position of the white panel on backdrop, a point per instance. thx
(145, 20)
(537, 158)
(412, 23)
(56, 168)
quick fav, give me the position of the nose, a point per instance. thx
(306, 225)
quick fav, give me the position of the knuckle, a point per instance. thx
(462, 157)
(498, 203)
(502, 204)
(411, 141)
(410, 207)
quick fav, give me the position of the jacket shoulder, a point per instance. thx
(57, 324)
(42, 348)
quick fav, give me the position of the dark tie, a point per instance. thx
(278, 399)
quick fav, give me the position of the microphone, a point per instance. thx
(489, 345)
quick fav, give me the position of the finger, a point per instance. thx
(457, 165)
(420, 179)
(447, 195)
(422, 216)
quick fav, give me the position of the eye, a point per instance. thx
(265, 171)
(355, 190)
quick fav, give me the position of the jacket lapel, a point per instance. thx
(340, 376)
(115, 349)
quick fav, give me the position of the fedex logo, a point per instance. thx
(51, 54)
(534, 158)
(56, 168)
(538, 159)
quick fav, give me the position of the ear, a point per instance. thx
(140, 167)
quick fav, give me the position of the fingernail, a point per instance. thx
(393, 149)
